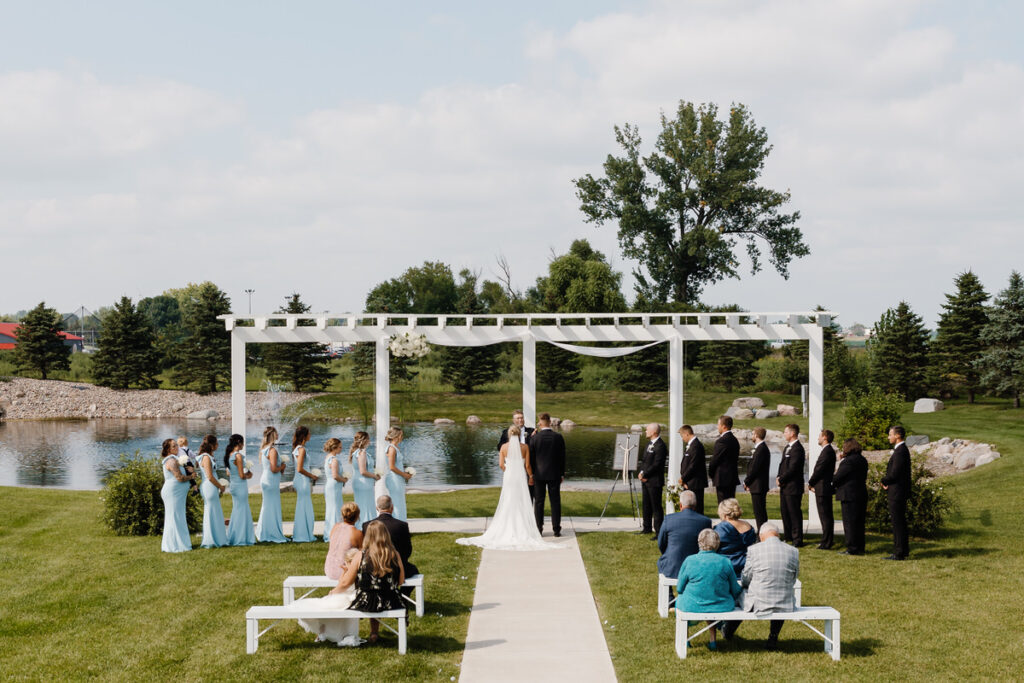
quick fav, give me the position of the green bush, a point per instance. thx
(868, 417)
(928, 506)
(772, 373)
(594, 377)
(132, 505)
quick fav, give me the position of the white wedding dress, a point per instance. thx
(344, 632)
(513, 526)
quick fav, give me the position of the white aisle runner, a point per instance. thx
(534, 619)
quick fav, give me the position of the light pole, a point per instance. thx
(249, 292)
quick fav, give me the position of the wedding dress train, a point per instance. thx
(344, 632)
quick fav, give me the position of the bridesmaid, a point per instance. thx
(269, 528)
(173, 492)
(363, 478)
(397, 476)
(333, 485)
(214, 535)
(302, 530)
(240, 530)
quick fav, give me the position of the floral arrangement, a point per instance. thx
(248, 465)
(284, 457)
(411, 471)
(409, 345)
(347, 471)
(183, 460)
(222, 481)
(317, 472)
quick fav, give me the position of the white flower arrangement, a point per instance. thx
(409, 345)
(317, 472)
(284, 457)
(183, 460)
(222, 481)
(347, 471)
(248, 465)
(411, 471)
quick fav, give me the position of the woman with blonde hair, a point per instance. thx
(344, 535)
(735, 534)
(363, 477)
(270, 528)
(380, 575)
(397, 478)
(334, 483)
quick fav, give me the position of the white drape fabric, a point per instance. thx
(596, 351)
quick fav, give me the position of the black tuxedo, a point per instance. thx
(821, 483)
(652, 468)
(757, 480)
(693, 471)
(400, 538)
(791, 492)
(850, 482)
(898, 480)
(724, 465)
(504, 440)
(547, 460)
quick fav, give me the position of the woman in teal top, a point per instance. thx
(214, 535)
(707, 582)
(397, 476)
(269, 528)
(363, 478)
(173, 493)
(240, 531)
(334, 483)
(302, 530)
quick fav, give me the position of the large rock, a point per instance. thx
(209, 414)
(749, 402)
(968, 456)
(444, 421)
(786, 410)
(636, 428)
(917, 440)
(765, 413)
(555, 421)
(568, 424)
(474, 420)
(928, 405)
(739, 413)
(986, 458)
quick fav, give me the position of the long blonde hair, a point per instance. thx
(378, 550)
(360, 440)
(269, 437)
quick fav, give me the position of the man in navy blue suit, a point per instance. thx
(677, 538)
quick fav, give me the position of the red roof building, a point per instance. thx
(9, 337)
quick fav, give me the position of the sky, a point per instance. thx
(324, 147)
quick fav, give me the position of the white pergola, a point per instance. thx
(527, 329)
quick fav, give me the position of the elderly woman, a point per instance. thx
(707, 582)
(735, 534)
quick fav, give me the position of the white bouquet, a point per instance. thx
(183, 460)
(284, 457)
(411, 471)
(248, 465)
(317, 472)
(222, 481)
(347, 471)
(409, 345)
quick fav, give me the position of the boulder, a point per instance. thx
(474, 420)
(636, 428)
(968, 456)
(749, 402)
(916, 440)
(177, 407)
(207, 414)
(943, 452)
(928, 405)
(786, 410)
(765, 413)
(740, 413)
(444, 421)
(555, 421)
(568, 424)
(986, 458)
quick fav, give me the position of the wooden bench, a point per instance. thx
(279, 612)
(665, 601)
(313, 582)
(802, 614)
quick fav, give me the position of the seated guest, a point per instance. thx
(399, 530)
(344, 632)
(707, 582)
(344, 535)
(735, 534)
(379, 577)
(769, 577)
(677, 538)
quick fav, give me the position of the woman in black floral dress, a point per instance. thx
(380, 576)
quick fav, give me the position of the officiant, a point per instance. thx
(519, 420)
(651, 474)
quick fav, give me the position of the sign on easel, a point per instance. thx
(627, 450)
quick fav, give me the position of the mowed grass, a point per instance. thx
(952, 612)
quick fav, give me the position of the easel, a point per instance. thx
(627, 448)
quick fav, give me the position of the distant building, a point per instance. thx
(9, 338)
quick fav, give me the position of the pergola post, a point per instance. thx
(237, 384)
(675, 411)
(530, 380)
(382, 386)
(815, 407)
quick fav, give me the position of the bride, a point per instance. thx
(513, 526)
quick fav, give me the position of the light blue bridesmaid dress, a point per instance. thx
(173, 492)
(362, 489)
(302, 531)
(332, 497)
(240, 531)
(214, 535)
(269, 528)
(396, 485)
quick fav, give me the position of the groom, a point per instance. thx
(547, 460)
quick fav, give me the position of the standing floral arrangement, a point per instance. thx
(409, 345)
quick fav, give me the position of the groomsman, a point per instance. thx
(693, 473)
(791, 486)
(519, 420)
(896, 483)
(724, 463)
(652, 477)
(821, 483)
(757, 479)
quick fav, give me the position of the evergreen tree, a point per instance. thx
(127, 355)
(469, 367)
(204, 356)
(557, 369)
(304, 366)
(1002, 362)
(40, 344)
(958, 343)
(164, 313)
(840, 370)
(730, 365)
(899, 352)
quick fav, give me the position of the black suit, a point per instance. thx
(693, 471)
(850, 482)
(652, 468)
(757, 480)
(724, 465)
(898, 479)
(400, 538)
(791, 492)
(504, 440)
(821, 483)
(547, 460)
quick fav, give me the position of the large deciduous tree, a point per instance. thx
(958, 343)
(204, 356)
(899, 352)
(40, 344)
(684, 210)
(1002, 362)
(127, 356)
(303, 366)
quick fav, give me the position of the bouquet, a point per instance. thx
(248, 465)
(222, 481)
(411, 471)
(317, 472)
(183, 460)
(284, 457)
(409, 345)
(347, 471)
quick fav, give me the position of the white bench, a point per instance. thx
(279, 612)
(802, 614)
(664, 600)
(313, 582)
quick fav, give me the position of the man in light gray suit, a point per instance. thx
(769, 577)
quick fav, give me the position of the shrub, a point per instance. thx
(132, 505)
(928, 506)
(868, 417)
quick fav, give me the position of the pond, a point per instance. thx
(77, 454)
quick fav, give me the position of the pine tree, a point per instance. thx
(304, 366)
(840, 372)
(958, 344)
(40, 344)
(728, 364)
(1001, 364)
(557, 369)
(899, 351)
(127, 355)
(469, 367)
(204, 356)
